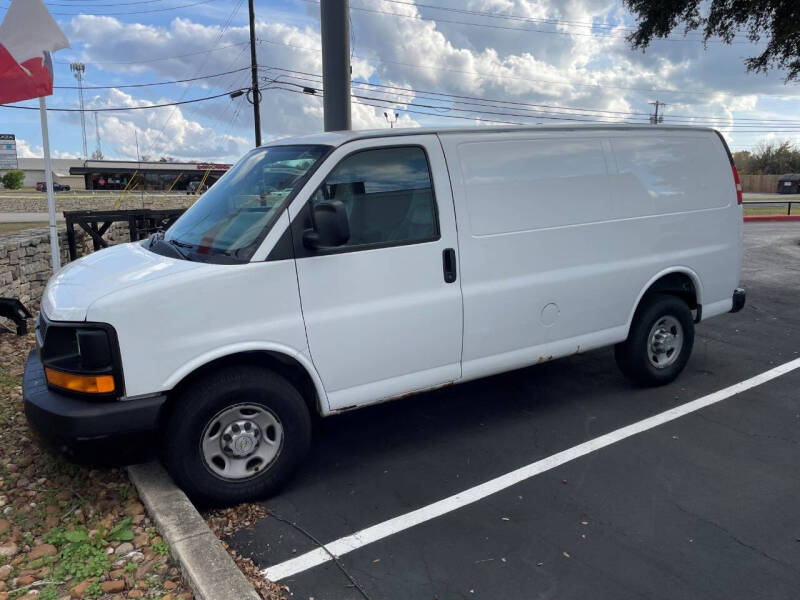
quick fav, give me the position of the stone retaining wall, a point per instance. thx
(84, 202)
(25, 259)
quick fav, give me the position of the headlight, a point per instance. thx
(80, 358)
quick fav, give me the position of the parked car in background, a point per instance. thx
(789, 184)
(194, 187)
(326, 273)
(41, 186)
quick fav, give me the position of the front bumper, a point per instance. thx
(739, 296)
(65, 420)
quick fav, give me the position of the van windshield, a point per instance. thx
(231, 219)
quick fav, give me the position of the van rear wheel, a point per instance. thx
(236, 435)
(659, 342)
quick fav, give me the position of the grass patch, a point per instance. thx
(6, 228)
(750, 210)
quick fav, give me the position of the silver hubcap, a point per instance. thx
(665, 342)
(241, 441)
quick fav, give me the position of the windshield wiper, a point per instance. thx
(178, 245)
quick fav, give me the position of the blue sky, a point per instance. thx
(444, 62)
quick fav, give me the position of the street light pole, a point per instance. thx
(254, 70)
(335, 32)
(78, 70)
(390, 121)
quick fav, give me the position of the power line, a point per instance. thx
(131, 12)
(539, 108)
(74, 3)
(205, 60)
(152, 60)
(518, 29)
(365, 100)
(415, 66)
(122, 108)
(512, 17)
(499, 113)
(139, 85)
(502, 77)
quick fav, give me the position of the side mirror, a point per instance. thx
(331, 227)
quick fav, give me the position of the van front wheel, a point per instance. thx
(659, 342)
(236, 435)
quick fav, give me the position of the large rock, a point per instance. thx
(113, 587)
(41, 551)
(124, 548)
(80, 590)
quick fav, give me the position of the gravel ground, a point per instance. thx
(68, 531)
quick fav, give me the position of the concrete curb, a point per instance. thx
(204, 562)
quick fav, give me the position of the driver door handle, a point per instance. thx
(449, 265)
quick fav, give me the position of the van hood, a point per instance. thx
(72, 290)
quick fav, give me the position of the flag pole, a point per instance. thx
(48, 176)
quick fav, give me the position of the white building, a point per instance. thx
(34, 171)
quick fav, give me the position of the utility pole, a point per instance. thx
(390, 121)
(335, 30)
(99, 150)
(254, 70)
(657, 119)
(78, 69)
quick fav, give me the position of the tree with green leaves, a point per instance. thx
(778, 21)
(13, 179)
(742, 161)
(775, 159)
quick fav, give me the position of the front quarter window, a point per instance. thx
(231, 219)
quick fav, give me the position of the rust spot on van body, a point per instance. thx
(393, 398)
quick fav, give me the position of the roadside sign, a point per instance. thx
(8, 151)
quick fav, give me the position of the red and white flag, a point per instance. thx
(28, 35)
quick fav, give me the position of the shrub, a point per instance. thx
(13, 179)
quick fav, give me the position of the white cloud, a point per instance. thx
(26, 150)
(516, 62)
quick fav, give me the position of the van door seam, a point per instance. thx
(302, 311)
(459, 270)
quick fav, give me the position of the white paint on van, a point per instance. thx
(582, 219)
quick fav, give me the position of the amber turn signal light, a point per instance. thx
(88, 384)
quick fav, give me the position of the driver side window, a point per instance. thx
(387, 194)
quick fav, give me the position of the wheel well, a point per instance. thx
(675, 284)
(282, 364)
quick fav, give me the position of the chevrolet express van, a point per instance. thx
(330, 272)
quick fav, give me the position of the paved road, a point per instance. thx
(701, 507)
(27, 217)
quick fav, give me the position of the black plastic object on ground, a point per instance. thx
(11, 308)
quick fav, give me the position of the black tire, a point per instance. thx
(633, 355)
(204, 399)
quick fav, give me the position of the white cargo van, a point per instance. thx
(330, 272)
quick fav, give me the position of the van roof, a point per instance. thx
(337, 138)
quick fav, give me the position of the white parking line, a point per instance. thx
(431, 511)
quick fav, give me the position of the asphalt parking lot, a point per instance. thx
(702, 506)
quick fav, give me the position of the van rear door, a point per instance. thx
(383, 310)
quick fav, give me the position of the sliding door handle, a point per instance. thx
(449, 265)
